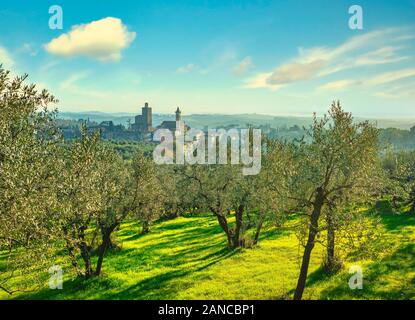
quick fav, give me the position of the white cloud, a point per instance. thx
(383, 55)
(102, 39)
(242, 67)
(5, 59)
(187, 68)
(392, 76)
(284, 75)
(294, 72)
(261, 81)
(395, 95)
(406, 90)
(339, 85)
(378, 80)
(359, 51)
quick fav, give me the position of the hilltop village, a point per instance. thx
(141, 129)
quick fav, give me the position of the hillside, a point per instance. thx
(186, 258)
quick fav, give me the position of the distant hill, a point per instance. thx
(224, 120)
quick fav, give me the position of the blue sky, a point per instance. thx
(284, 57)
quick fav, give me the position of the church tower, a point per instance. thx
(178, 114)
(147, 117)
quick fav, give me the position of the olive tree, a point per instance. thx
(212, 185)
(82, 196)
(339, 161)
(28, 170)
(98, 192)
(225, 191)
(151, 196)
(400, 170)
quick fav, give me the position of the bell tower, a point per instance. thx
(178, 114)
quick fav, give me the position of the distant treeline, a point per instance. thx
(397, 138)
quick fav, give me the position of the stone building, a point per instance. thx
(178, 124)
(143, 123)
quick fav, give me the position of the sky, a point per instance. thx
(285, 57)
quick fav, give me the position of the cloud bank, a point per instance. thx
(379, 47)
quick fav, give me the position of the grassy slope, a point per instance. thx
(186, 258)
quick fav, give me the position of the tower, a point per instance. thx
(147, 117)
(178, 114)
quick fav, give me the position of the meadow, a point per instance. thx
(187, 258)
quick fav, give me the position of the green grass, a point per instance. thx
(186, 258)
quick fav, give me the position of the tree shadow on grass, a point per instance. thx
(274, 234)
(167, 284)
(174, 225)
(397, 265)
(133, 227)
(75, 287)
(315, 277)
(161, 264)
(392, 219)
(397, 222)
(384, 279)
(161, 229)
(173, 251)
(174, 256)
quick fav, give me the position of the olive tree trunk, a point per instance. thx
(330, 264)
(313, 230)
(106, 243)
